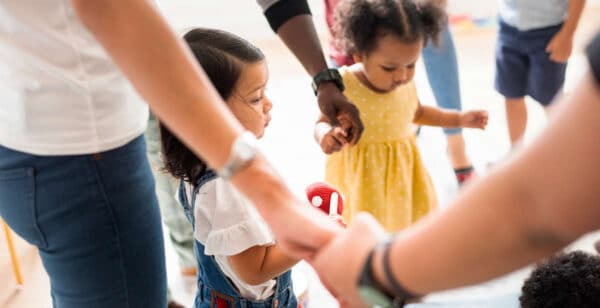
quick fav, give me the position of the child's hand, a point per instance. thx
(474, 119)
(334, 140)
(560, 47)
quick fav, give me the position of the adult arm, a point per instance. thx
(541, 200)
(292, 22)
(179, 93)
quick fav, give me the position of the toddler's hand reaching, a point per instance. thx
(474, 119)
(334, 140)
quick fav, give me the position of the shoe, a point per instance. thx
(464, 174)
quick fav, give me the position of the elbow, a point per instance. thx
(539, 229)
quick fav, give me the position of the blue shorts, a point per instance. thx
(523, 67)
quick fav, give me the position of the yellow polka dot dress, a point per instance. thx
(383, 174)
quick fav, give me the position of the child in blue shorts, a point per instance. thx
(535, 40)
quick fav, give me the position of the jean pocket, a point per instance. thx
(17, 204)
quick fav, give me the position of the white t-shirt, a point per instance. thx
(60, 92)
(227, 223)
(533, 14)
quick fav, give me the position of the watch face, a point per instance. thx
(374, 297)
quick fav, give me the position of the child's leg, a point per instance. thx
(512, 70)
(516, 118)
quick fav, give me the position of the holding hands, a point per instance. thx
(332, 138)
(339, 264)
(335, 107)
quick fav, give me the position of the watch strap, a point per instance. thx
(243, 151)
(328, 75)
(369, 289)
(402, 295)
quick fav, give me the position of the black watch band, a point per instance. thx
(328, 75)
(402, 296)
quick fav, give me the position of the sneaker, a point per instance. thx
(464, 174)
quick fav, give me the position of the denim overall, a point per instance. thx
(215, 290)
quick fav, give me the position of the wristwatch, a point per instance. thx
(330, 74)
(243, 151)
(369, 290)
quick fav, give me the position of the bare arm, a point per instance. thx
(261, 263)
(573, 15)
(561, 45)
(293, 23)
(433, 116)
(544, 198)
(188, 104)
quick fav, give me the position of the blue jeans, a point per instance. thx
(442, 72)
(96, 223)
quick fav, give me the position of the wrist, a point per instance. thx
(321, 129)
(378, 270)
(326, 79)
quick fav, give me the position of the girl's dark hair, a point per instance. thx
(360, 22)
(221, 55)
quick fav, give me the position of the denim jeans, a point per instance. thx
(95, 221)
(442, 72)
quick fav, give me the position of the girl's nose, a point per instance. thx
(400, 75)
(268, 105)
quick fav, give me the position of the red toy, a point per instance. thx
(326, 198)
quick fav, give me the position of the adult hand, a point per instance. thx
(299, 227)
(340, 262)
(303, 229)
(334, 104)
(560, 47)
(474, 119)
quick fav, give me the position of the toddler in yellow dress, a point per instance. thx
(383, 174)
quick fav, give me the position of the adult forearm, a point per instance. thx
(163, 71)
(542, 199)
(299, 35)
(573, 15)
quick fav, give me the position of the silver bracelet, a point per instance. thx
(243, 151)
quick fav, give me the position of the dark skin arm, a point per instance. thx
(300, 37)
